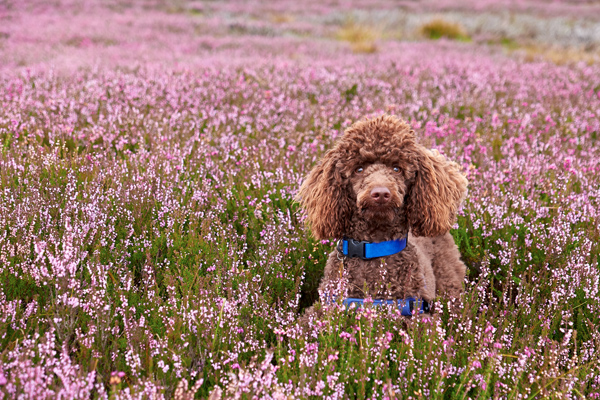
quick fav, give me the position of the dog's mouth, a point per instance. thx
(373, 210)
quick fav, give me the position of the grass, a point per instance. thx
(558, 55)
(440, 28)
(281, 18)
(362, 38)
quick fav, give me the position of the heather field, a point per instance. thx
(150, 246)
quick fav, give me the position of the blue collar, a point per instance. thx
(367, 250)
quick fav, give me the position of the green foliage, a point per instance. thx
(440, 28)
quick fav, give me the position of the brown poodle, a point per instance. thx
(378, 184)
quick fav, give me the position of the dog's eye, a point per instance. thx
(396, 169)
(359, 170)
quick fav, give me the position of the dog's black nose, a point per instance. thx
(381, 194)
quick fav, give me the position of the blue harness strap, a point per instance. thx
(406, 306)
(367, 250)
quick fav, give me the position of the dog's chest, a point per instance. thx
(392, 277)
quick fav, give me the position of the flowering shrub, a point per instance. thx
(149, 241)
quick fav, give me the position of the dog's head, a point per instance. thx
(377, 171)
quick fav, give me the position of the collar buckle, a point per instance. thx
(354, 248)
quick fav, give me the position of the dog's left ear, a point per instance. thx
(437, 193)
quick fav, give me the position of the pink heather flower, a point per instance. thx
(476, 364)
(389, 336)
(348, 336)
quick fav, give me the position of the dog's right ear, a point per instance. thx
(325, 197)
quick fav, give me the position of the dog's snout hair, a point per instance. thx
(378, 187)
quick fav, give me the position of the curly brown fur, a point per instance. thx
(377, 184)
